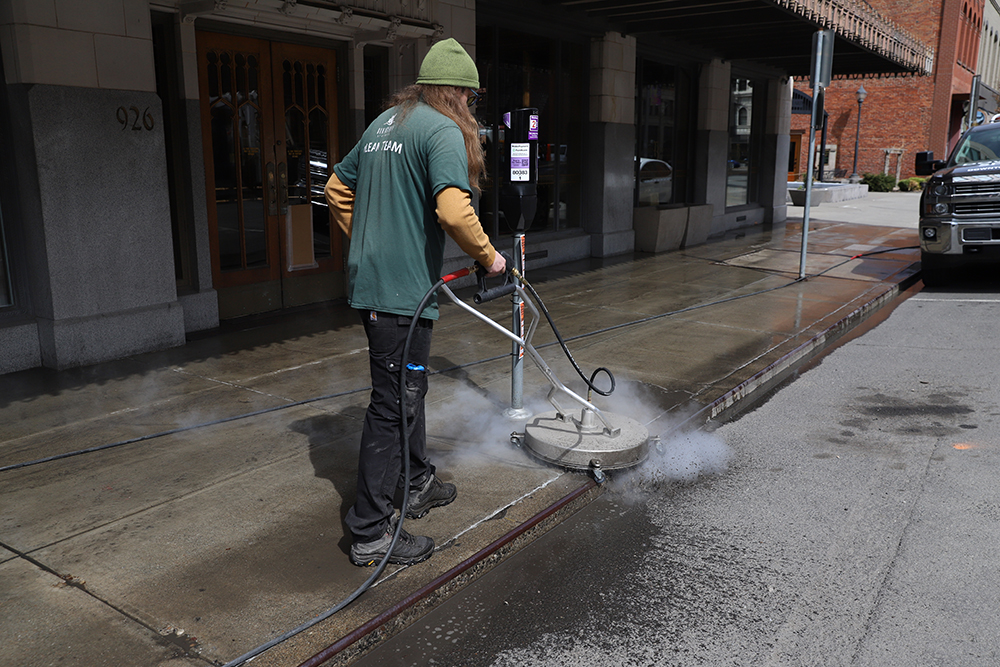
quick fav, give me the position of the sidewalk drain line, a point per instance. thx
(171, 640)
(499, 511)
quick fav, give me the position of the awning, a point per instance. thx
(777, 33)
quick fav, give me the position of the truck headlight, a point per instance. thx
(940, 190)
(940, 208)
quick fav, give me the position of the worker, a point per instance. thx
(406, 184)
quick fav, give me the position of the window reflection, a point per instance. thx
(519, 71)
(738, 164)
(657, 131)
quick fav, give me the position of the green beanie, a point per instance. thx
(448, 64)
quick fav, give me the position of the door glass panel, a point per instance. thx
(296, 155)
(318, 175)
(254, 209)
(226, 185)
(254, 212)
(236, 130)
(307, 148)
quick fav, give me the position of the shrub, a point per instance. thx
(912, 184)
(879, 182)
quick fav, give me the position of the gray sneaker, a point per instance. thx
(434, 493)
(410, 549)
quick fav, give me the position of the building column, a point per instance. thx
(775, 146)
(94, 202)
(201, 303)
(712, 140)
(610, 171)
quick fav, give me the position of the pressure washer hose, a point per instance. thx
(562, 343)
(405, 453)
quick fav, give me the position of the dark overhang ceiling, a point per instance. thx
(776, 33)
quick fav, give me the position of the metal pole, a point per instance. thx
(516, 410)
(973, 102)
(822, 149)
(817, 97)
(857, 136)
(822, 69)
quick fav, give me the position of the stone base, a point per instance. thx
(90, 340)
(201, 310)
(615, 243)
(20, 348)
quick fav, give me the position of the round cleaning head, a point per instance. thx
(577, 440)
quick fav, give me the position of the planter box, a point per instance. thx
(819, 195)
(699, 225)
(659, 229)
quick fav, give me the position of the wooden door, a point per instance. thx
(794, 156)
(269, 131)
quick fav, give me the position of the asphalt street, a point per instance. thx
(851, 519)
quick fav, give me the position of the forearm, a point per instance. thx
(460, 222)
(340, 199)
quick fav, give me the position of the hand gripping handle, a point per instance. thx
(489, 293)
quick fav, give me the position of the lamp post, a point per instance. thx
(861, 95)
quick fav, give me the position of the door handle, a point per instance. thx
(272, 190)
(282, 188)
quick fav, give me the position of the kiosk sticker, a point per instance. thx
(520, 156)
(533, 127)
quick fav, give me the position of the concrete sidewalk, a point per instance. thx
(207, 520)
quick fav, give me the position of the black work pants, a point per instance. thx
(380, 460)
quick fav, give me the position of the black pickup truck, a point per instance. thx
(960, 205)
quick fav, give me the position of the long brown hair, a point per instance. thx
(447, 100)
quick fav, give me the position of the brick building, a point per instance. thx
(902, 115)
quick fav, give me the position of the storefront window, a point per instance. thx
(740, 159)
(662, 123)
(6, 298)
(6, 295)
(518, 71)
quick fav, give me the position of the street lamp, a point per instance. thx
(861, 95)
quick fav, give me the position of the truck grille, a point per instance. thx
(978, 208)
(977, 188)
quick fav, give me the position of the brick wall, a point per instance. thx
(909, 113)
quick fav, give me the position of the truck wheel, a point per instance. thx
(932, 270)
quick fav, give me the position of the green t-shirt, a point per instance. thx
(397, 243)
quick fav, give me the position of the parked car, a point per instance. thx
(655, 182)
(960, 205)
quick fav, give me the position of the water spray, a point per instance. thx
(576, 435)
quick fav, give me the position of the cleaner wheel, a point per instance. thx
(580, 438)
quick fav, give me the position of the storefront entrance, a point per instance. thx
(269, 131)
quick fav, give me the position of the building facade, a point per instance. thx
(163, 161)
(903, 115)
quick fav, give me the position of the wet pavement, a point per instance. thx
(185, 506)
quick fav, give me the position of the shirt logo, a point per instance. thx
(387, 126)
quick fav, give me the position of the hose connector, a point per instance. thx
(597, 471)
